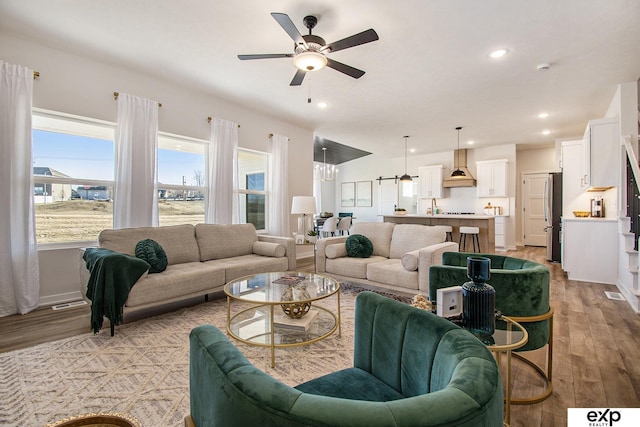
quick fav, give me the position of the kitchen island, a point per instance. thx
(486, 224)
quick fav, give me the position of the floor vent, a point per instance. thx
(69, 305)
(614, 295)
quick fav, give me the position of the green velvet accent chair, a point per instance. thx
(411, 368)
(522, 293)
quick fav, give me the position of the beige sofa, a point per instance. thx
(402, 255)
(201, 259)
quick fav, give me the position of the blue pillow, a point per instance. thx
(359, 246)
(151, 251)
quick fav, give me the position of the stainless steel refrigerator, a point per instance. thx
(552, 215)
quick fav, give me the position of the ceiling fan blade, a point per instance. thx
(265, 56)
(344, 68)
(297, 79)
(355, 40)
(287, 24)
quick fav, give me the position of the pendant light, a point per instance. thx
(458, 172)
(406, 177)
(325, 172)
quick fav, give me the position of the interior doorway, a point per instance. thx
(533, 198)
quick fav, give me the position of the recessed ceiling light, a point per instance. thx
(470, 142)
(543, 115)
(322, 105)
(412, 150)
(546, 132)
(499, 53)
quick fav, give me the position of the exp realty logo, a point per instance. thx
(603, 417)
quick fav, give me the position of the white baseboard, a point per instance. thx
(59, 298)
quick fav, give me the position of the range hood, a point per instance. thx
(459, 162)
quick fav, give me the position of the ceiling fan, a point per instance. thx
(310, 51)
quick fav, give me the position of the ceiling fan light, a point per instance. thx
(310, 61)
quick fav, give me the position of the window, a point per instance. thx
(181, 180)
(252, 178)
(73, 168)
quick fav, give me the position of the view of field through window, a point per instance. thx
(73, 167)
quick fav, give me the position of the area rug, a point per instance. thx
(144, 369)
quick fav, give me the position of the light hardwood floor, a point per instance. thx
(596, 346)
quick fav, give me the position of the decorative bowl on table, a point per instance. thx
(581, 214)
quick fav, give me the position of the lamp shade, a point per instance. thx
(406, 178)
(303, 205)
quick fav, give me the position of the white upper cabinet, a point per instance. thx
(492, 178)
(601, 145)
(573, 176)
(431, 181)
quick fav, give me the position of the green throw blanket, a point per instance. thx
(113, 274)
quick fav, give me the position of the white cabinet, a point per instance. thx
(589, 249)
(431, 181)
(492, 178)
(501, 239)
(601, 150)
(573, 176)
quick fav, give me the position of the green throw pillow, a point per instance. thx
(151, 251)
(359, 246)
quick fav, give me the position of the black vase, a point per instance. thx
(479, 298)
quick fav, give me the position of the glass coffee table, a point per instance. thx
(283, 309)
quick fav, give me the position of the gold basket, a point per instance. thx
(581, 214)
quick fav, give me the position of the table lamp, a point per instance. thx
(305, 206)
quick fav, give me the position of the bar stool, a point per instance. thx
(469, 231)
(449, 230)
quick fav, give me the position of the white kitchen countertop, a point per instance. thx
(452, 216)
(588, 219)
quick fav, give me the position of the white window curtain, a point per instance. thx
(279, 212)
(222, 172)
(136, 162)
(19, 274)
(317, 193)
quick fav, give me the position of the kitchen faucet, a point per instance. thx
(433, 206)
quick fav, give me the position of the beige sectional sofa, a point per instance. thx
(201, 259)
(402, 255)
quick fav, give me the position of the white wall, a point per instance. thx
(85, 86)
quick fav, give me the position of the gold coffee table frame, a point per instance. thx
(255, 325)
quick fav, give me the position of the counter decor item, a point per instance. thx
(479, 298)
(581, 214)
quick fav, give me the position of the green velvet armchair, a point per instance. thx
(411, 368)
(522, 293)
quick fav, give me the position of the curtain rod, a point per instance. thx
(209, 120)
(36, 74)
(116, 95)
(271, 136)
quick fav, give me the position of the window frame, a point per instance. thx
(61, 117)
(266, 192)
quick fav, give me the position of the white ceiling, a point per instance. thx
(428, 73)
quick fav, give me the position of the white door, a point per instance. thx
(387, 196)
(533, 192)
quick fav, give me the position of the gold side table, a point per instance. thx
(509, 335)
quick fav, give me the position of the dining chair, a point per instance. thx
(344, 225)
(329, 227)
